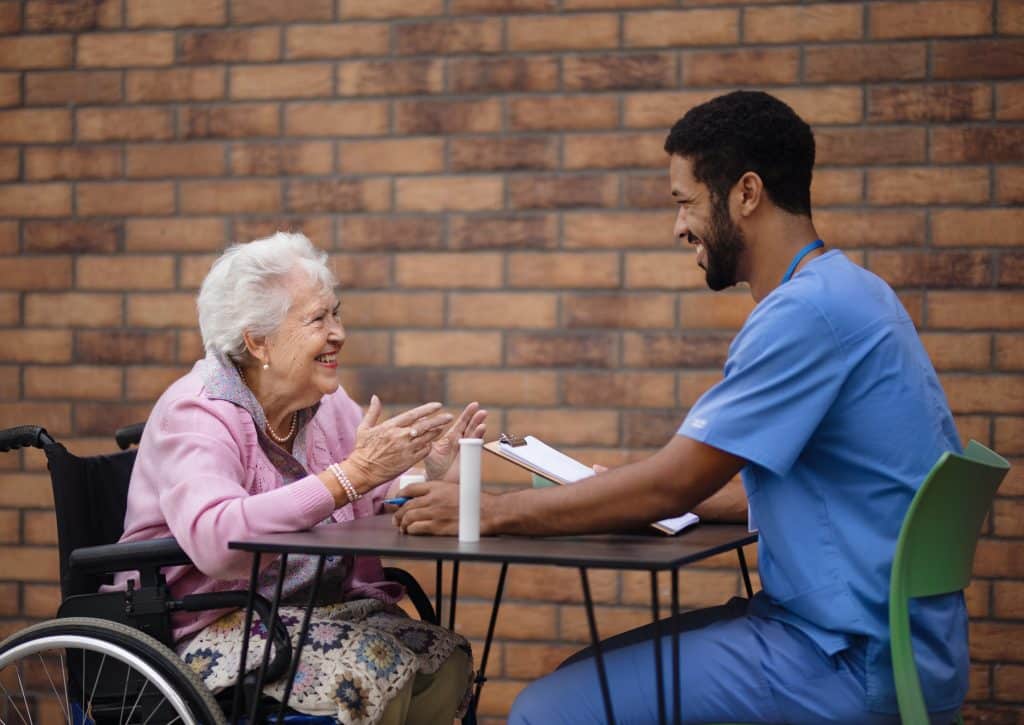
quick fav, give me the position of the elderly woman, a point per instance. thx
(259, 438)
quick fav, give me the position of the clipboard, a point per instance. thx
(542, 460)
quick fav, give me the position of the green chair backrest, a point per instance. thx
(935, 552)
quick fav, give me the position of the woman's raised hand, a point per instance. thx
(386, 449)
(441, 461)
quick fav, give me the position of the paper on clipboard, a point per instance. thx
(538, 457)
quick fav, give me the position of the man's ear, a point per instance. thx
(748, 193)
(256, 346)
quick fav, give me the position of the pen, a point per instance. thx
(396, 501)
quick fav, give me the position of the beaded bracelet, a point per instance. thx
(346, 484)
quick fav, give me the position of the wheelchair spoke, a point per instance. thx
(124, 694)
(54, 688)
(96, 682)
(14, 705)
(64, 678)
(137, 699)
(28, 710)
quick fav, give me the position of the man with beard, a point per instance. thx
(832, 412)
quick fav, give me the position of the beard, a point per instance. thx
(723, 246)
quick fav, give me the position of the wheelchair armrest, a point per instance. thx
(151, 554)
(414, 591)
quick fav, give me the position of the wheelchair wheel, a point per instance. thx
(82, 670)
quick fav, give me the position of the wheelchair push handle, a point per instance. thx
(128, 435)
(24, 436)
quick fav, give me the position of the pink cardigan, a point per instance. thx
(202, 477)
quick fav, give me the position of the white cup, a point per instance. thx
(412, 476)
(470, 450)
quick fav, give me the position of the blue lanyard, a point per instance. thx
(816, 244)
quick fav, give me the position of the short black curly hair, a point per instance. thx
(748, 131)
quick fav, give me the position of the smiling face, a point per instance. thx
(303, 351)
(706, 223)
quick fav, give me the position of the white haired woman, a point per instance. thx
(259, 438)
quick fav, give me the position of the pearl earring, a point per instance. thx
(266, 366)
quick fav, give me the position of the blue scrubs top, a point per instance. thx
(831, 398)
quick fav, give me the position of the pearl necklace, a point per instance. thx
(270, 429)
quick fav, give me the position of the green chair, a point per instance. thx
(935, 551)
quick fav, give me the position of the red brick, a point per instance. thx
(821, 22)
(977, 59)
(229, 197)
(1009, 436)
(618, 230)
(832, 187)
(623, 150)
(940, 102)
(619, 72)
(976, 310)
(390, 310)
(503, 231)
(124, 124)
(936, 18)
(1010, 102)
(831, 105)
(861, 146)
(392, 8)
(192, 268)
(496, 75)
(563, 270)
(271, 11)
(502, 387)
(473, 7)
(174, 160)
(868, 62)
(44, 163)
(74, 382)
(127, 198)
(393, 156)
(745, 67)
(10, 17)
(958, 351)
(448, 270)
(440, 193)
(98, 419)
(675, 349)
(619, 389)
(124, 272)
(46, 88)
(933, 269)
(390, 77)
(71, 309)
(343, 40)
(552, 113)
(508, 153)
(723, 312)
(619, 311)
(35, 200)
(10, 89)
(35, 346)
(575, 32)
(447, 117)
(1011, 270)
(29, 563)
(397, 386)
(161, 310)
(119, 50)
(121, 347)
(305, 80)
(177, 84)
(9, 237)
(693, 384)
(977, 227)
(982, 144)
(1009, 352)
(36, 126)
(175, 235)
(368, 348)
(339, 195)
(663, 270)
(51, 15)
(675, 28)
(147, 383)
(461, 349)
(901, 187)
(41, 600)
(156, 13)
(66, 236)
(567, 427)
(846, 229)
(610, 621)
(1011, 18)
(661, 110)
(318, 228)
(34, 273)
(230, 46)
(282, 159)
(563, 191)
(996, 641)
(502, 310)
(527, 660)
(496, 700)
(448, 37)
(368, 118)
(697, 588)
(10, 316)
(363, 233)
(45, 51)
(236, 121)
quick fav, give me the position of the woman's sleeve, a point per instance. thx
(202, 492)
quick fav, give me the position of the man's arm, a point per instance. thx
(673, 480)
(728, 505)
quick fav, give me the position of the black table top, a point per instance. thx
(377, 535)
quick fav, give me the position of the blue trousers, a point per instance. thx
(733, 667)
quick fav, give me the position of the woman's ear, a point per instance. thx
(749, 191)
(257, 347)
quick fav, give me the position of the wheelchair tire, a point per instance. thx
(179, 695)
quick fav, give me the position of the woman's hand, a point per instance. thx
(386, 449)
(442, 461)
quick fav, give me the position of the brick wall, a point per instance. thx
(489, 178)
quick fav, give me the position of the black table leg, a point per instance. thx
(658, 668)
(303, 631)
(596, 643)
(453, 596)
(269, 626)
(254, 578)
(438, 588)
(481, 676)
(745, 572)
(676, 682)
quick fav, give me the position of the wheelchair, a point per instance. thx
(108, 657)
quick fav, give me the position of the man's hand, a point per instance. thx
(433, 508)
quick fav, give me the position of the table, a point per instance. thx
(377, 535)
